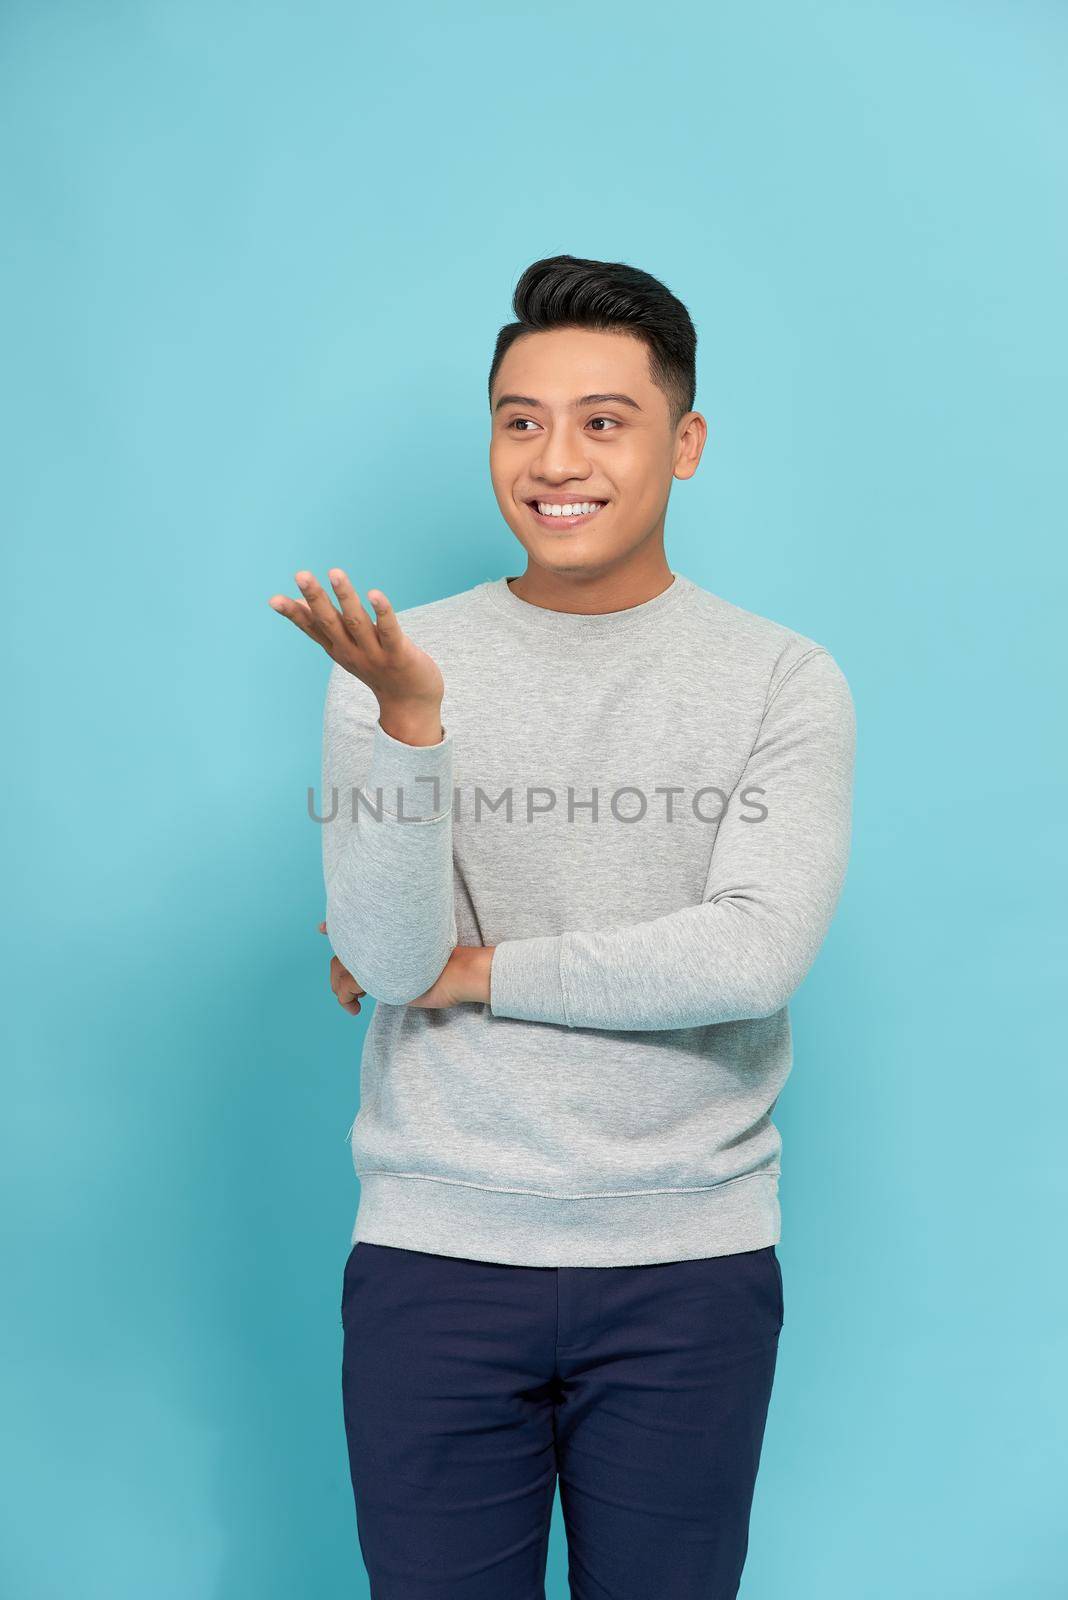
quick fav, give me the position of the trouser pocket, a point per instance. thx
(778, 1275)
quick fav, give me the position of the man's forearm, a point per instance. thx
(387, 848)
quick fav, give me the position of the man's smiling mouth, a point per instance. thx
(558, 512)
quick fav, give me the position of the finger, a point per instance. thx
(322, 927)
(389, 629)
(359, 624)
(342, 982)
(297, 611)
(323, 611)
(348, 997)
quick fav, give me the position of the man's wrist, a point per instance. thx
(415, 725)
(478, 959)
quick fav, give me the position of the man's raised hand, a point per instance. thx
(406, 682)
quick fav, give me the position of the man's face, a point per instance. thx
(576, 418)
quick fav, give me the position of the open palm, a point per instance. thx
(374, 649)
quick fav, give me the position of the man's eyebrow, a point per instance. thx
(585, 400)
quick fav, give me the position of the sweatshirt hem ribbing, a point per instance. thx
(523, 1229)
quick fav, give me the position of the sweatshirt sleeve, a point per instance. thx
(387, 847)
(772, 889)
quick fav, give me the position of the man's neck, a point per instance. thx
(589, 593)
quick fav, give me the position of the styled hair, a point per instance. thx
(569, 292)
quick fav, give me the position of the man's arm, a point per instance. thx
(771, 892)
(390, 910)
(388, 880)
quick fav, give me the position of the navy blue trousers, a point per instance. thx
(470, 1387)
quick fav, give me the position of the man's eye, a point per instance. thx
(516, 423)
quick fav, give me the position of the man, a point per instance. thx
(592, 823)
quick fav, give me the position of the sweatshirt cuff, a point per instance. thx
(415, 779)
(526, 980)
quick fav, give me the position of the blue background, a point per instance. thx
(255, 260)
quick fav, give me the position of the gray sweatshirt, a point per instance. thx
(648, 813)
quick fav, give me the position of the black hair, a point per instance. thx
(569, 292)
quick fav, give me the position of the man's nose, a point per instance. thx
(561, 456)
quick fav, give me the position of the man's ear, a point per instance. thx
(691, 441)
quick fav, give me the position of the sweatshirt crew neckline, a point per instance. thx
(577, 625)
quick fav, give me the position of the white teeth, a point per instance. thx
(583, 508)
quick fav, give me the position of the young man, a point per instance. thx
(592, 823)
